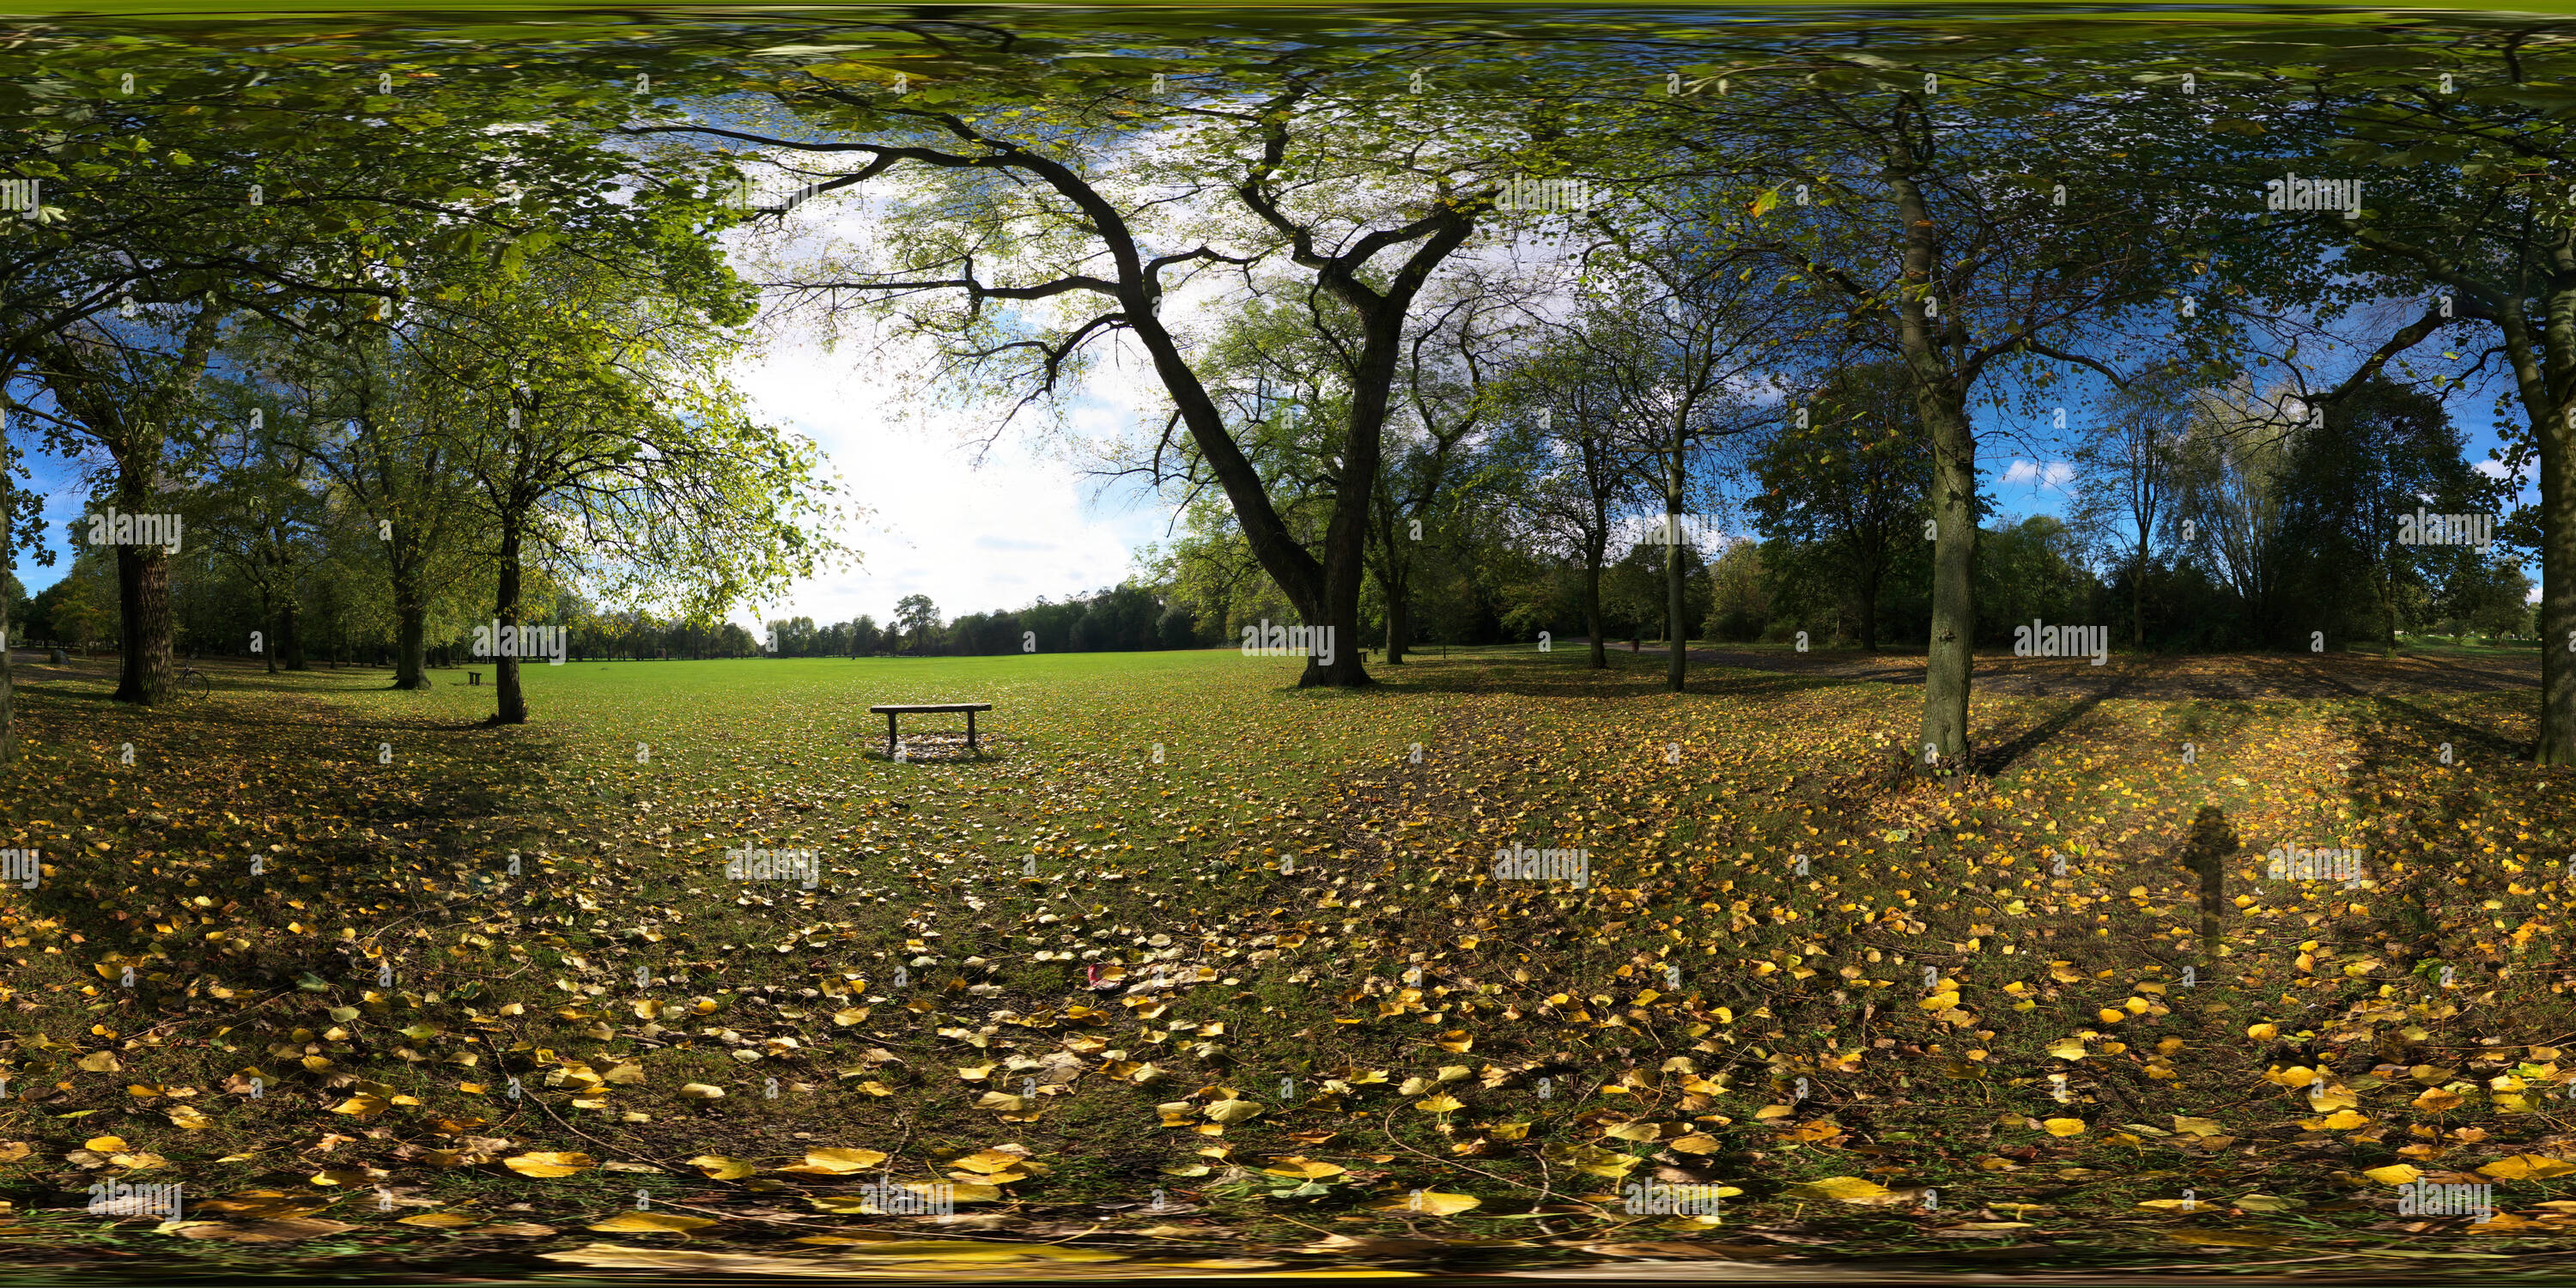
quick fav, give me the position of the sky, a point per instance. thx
(979, 529)
(975, 535)
(980, 526)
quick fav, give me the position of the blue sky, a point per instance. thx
(979, 528)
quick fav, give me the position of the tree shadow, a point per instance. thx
(1564, 673)
(251, 814)
(1994, 762)
(2398, 769)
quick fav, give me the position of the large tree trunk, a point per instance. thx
(2552, 414)
(1346, 546)
(505, 608)
(411, 660)
(1398, 622)
(268, 644)
(1677, 665)
(1592, 625)
(2557, 435)
(1954, 585)
(1869, 578)
(411, 628)
(290, 634)
(1942, 401)
(143, 593)
(2138, 596)
(2388, 607)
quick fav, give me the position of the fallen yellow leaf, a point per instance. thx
(547, 1164)
(651, 1223)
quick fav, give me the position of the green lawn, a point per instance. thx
(1195, 980)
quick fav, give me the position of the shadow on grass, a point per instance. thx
(213, 785)
(1994, 762)
(1567, 673)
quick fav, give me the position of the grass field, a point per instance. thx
(1222, 968)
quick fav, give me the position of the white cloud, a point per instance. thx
(2498, 470)
(2039, 474)
(973, 534)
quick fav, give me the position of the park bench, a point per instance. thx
(892, 710)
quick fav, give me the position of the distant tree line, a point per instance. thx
(1127, 618)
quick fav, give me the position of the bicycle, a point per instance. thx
(193, 683)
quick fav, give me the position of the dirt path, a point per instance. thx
(2165, 678)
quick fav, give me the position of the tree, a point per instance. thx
(1069, 185)
(2366, 460)
(2125, 467)
(179, 185)
(264, 525)
(600, 433)
(1845, 473)
(1434, 462)
(21, 512)
(123, 387)
(916, 616)
(1581, 477)
(1676, 325)
(367, 413)
(81, 607)
(1916, 209)
(2230, 498)
(2482, 224)
(2033, 569)
(1739, 606)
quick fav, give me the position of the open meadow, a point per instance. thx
(1224, 971)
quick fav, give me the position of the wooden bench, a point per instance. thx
(891, 710)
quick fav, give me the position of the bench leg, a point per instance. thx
(889, 735)
(970, 731)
